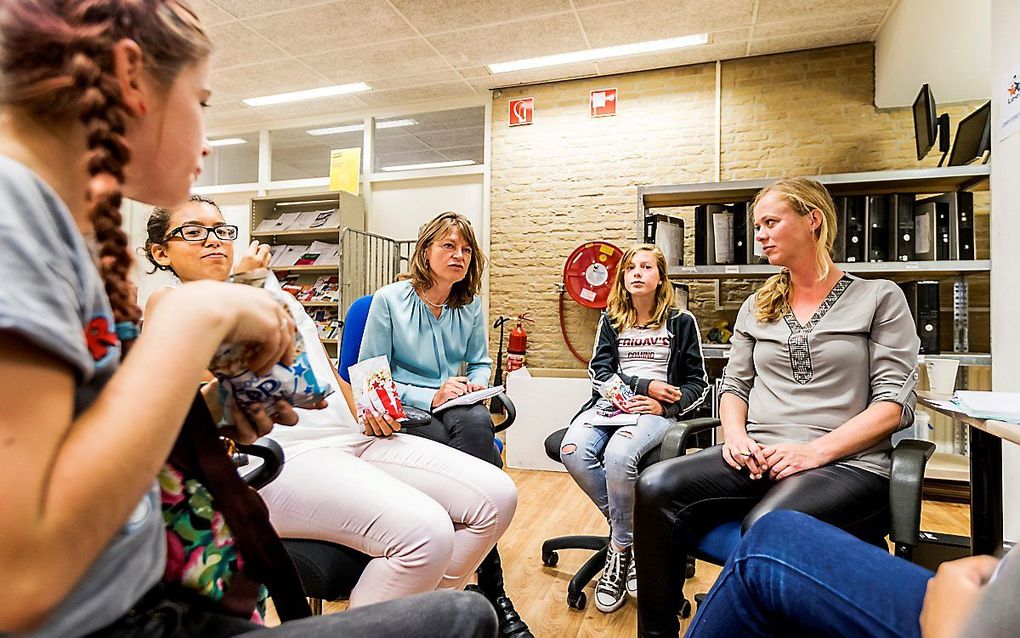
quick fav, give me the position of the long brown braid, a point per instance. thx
(56, 64)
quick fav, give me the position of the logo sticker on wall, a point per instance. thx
(522, 111)
(603, 103)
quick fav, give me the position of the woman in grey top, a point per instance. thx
(822, 371)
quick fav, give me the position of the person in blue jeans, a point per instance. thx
(794, 575)
(648, 348)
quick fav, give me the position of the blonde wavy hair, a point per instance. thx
(620, 306)
(803, 196)
(421, 276)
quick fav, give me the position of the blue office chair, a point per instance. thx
(330, 571)
(909, 458)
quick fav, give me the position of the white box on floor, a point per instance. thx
(546, 399)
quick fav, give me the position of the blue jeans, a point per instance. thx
(604, 462)
(795, 575)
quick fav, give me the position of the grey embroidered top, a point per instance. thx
(803, 381)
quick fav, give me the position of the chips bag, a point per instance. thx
(374, 389)
(616, 392)
(296, 384)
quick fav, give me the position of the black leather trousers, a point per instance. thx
(678, 500)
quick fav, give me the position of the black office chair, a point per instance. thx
(909, 458)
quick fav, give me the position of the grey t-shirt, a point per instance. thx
(52, 298)
(802, 381)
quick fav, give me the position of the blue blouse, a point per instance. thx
(425, 351)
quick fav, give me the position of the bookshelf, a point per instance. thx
(307, 279)
(947, 471)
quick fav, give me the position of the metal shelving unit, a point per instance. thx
(951, 468)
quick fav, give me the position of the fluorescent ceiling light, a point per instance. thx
(351, 128)
(411, 167)
(599, 54)
(310, 94)
(227, 141)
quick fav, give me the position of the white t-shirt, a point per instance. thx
(644, 352)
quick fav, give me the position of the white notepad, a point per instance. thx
(470, 398)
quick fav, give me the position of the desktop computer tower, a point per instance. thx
(713, 235)
(879, 228)
(743, 234)
(923, 301)
(959, 211)
(901, 225)
(851, 243)
(932, 239)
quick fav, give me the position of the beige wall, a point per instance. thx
(568, 178)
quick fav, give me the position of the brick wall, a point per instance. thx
(568, 178)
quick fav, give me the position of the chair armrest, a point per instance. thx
(908, 460)
(508, 408)
(272, 462)
(674, 444)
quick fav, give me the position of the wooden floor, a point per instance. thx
(550, 505)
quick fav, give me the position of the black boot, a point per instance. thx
(490, 584)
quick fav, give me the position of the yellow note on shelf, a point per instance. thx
(345, 170)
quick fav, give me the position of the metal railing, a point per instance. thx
(367, 263)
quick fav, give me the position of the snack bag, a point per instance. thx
(240, 386)
(617, 393)
(374, 389)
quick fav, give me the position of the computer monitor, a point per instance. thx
(924, 121)
(973, 136)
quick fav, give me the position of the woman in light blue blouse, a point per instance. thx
(431, 327)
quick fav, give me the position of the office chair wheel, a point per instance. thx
(690, 568)
(577, 602)
(549, 559)
(685, 609)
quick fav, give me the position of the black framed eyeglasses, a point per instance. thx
(194, 232)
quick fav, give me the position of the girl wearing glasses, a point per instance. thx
(425, 513)
(102, 99)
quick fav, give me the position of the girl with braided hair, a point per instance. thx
(102, 99)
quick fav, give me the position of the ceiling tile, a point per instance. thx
(266, 79)
(474, 72)
(394, 97)
(451, 139)
(811, 41)
(643, 20)
(447, 15)
(209, 13)
(234, 118)
(400, 144)
(338, 104)
(510, 41)
(682, 57)
(474, 152)
(536, 76)
(236, 44)
(819, 23)
(411, 157)
(424, 79)
(729, 35)
(332, 26)
(776, 10)
(385, 60)
(249, 8)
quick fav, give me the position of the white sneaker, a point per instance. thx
(632, 577)
(611, 591)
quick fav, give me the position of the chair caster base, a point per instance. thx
(550, 559)
(579, 602)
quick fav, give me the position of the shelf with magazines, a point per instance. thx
(305, 234)
(926, 229)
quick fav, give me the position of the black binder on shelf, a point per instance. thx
(743, 234)
(923, 301)
(901, 225)
(932, 230)
(851, 243)
(879, 234)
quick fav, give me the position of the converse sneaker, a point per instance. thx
(611, 590)
(632, 577)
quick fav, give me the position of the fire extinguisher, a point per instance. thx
(517, 345)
